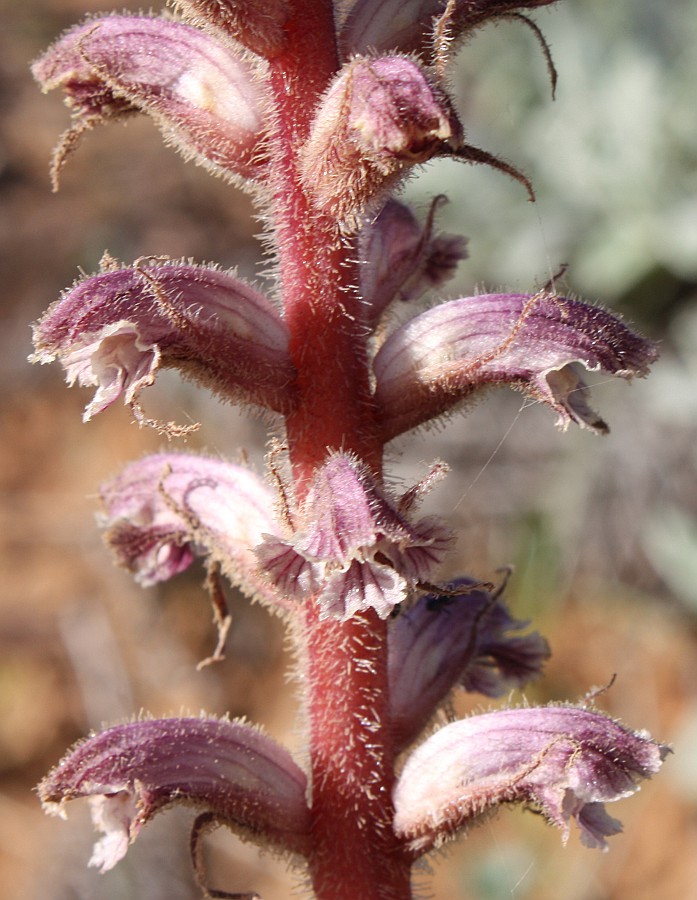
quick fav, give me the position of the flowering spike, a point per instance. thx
(257, 24)
(567, 761)
(131, 772)
(114, 331)
(446, 354)
(379, 118)
(467, 638)
(205, 98)
(164, 509)
(402, 259)
(351, 546)
(325, 106)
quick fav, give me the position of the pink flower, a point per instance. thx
(467, 639)
(566, 761)
(229, 771)
(116, 329)
(352, 547)
(400, 259)
(204, 96)
(445, 355)
(164, 509)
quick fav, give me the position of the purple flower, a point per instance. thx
(467, 639)
(566, 761)
(400, 259)
(203, 95)
(445, 355)
(407, 25)
(227, 770)
(114, 331)
(164, 509)
(352, 547)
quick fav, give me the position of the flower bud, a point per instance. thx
(379, 117)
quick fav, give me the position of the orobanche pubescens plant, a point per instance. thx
(322, 109)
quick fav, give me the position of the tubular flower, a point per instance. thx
(467, 639)
(164, 509)
(352, 547)
(400, 259)
(205, 97)
(566, 761)
(408, 25)
(114, 331)
(443, 356)
(227, 770)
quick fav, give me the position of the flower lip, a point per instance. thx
(352, 548)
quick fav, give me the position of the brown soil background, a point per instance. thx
(81, 645)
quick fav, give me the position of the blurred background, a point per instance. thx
(602, 532)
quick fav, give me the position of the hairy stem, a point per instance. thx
(354, 850)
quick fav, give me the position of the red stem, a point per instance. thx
(354, 851)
